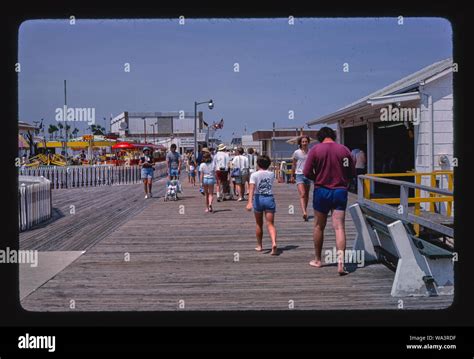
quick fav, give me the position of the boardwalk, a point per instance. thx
(181, 258)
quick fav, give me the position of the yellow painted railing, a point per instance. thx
(417, 199)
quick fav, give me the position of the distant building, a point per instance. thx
(236, 142)
(248, 142)
(161, 127)
(24, 127)
(275, 143)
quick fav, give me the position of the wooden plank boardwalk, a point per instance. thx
(83, 216)
(181, 258)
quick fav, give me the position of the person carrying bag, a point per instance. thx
(239, 171)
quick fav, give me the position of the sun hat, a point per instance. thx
(221, 147)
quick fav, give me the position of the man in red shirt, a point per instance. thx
(330, 166)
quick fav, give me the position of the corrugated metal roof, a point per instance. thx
(23, 124)
(405, 84)
(160, 114)
(296, 128)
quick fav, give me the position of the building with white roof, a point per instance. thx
(405, 126)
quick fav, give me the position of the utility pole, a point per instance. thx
(65, 121)
(273, 142)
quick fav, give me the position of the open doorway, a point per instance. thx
(355, 138)
(394, 152)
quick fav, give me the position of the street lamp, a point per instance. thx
(144, 126)
(210, 104)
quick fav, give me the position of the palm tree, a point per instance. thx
(97, 129)
(30, 138)
(61, 126)
(52, 129)
(75, 131)
(66, 129)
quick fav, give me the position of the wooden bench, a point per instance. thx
(422, 267)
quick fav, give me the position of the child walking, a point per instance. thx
(208, 179)
(262, 201)
(192, 172)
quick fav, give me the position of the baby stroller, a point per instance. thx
(173, 187)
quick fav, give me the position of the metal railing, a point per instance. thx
(91, 176)
(434, 198)
(34, 201)
(402, 212)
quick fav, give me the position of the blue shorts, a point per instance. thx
(238, 179)
(264, 203)
(147, 173)
(208, 181)
(174, 172)
(300, 178)
(325, 199)
(192, 174)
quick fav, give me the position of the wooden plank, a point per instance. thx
(83, 216)
(179, 252)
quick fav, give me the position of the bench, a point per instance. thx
(422, 267)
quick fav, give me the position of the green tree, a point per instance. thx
(52, 129)
(66, 130)
(60, 126)
(30, 138)
(97, 129)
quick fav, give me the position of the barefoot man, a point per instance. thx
(173, 161)
(331, 167)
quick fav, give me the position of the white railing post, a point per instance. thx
(404, 200)
(34, 201)
(360, 188)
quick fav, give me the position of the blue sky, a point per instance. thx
(282, 67)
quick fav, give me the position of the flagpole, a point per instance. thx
(65, 121)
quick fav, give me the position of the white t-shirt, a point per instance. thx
(300, 156)
(360, 160)
(241, 162)
(207, 169)
(252, 162)
(221, 160)
(263, 181)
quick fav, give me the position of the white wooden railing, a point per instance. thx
(91, 176)
(34, 201)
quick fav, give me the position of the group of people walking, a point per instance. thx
(328, 165)
(221, 170)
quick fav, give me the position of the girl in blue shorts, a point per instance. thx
(262, 201)
(208, 179)
(192, 173)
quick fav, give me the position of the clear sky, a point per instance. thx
(282, 67)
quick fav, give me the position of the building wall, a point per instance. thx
(278, 149)
(167, 123)
(136, 125)
(434, 134)
(185, 125)
(247, 142)
(115, 123)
